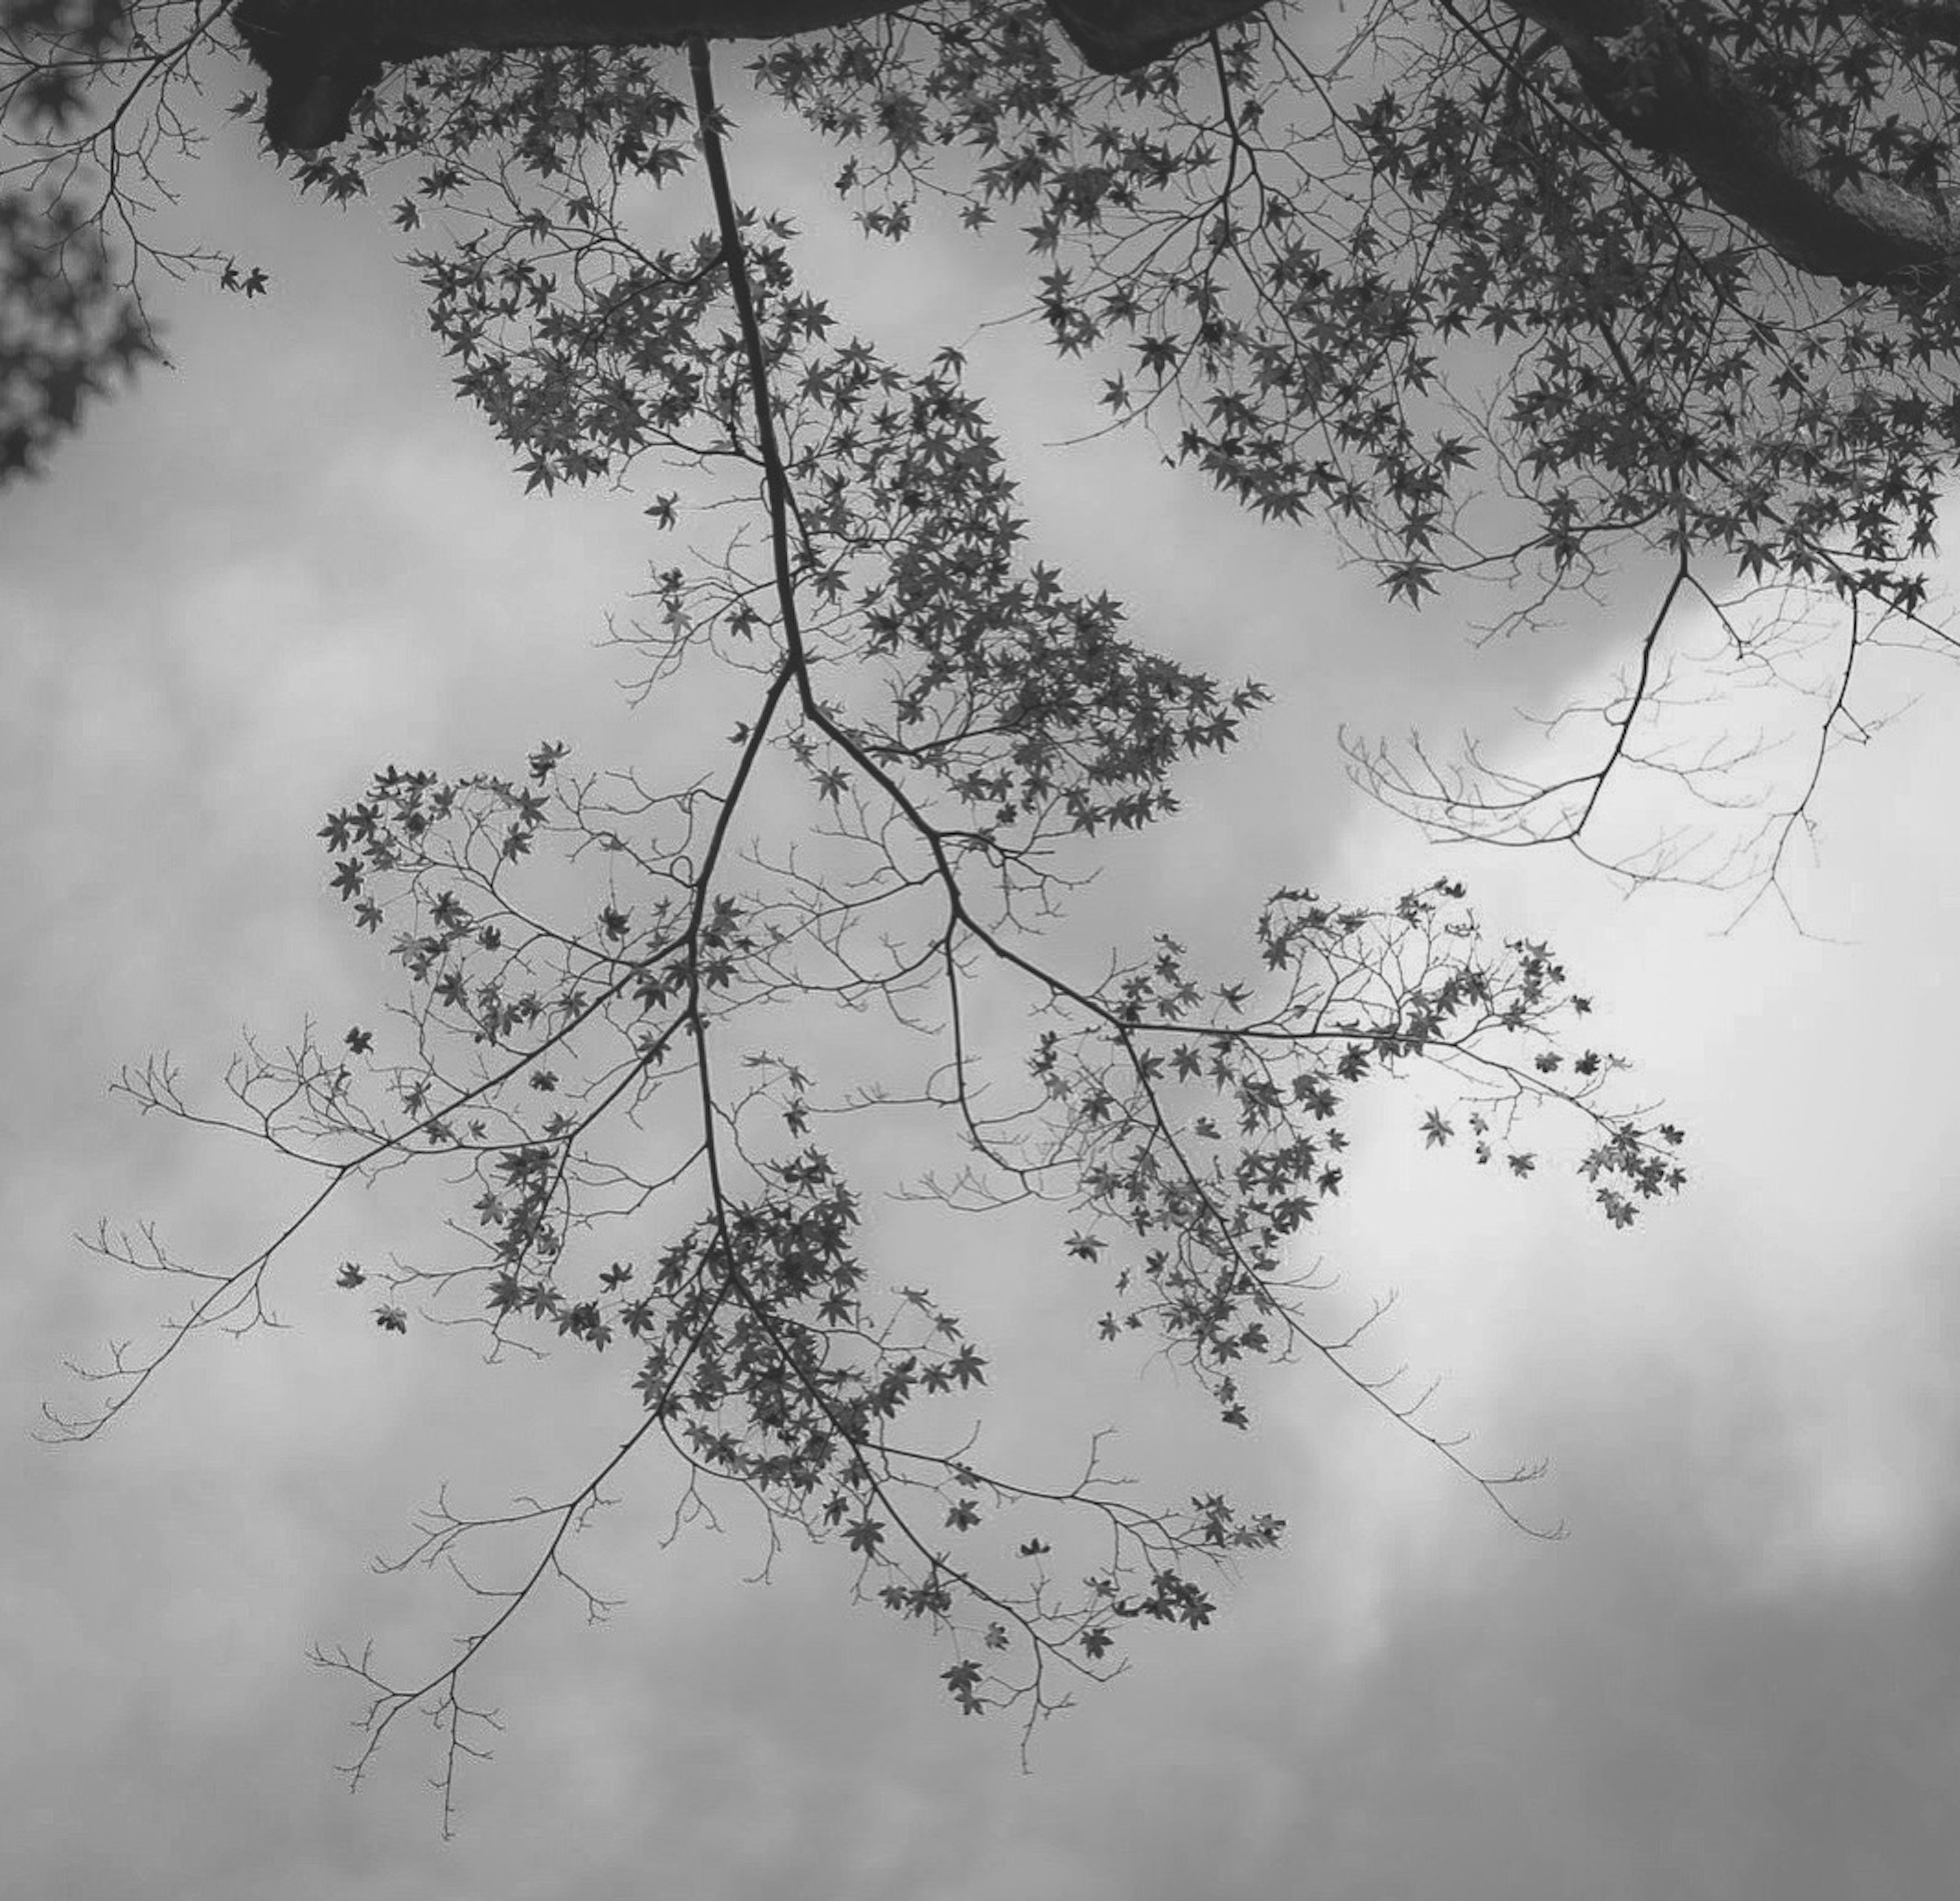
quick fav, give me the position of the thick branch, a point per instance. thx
(1119, 35)
(319, 56)
(1666, 93)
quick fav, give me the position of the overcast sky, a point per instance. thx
(292, 560)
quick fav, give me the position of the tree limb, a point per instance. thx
(319, 56)
(1672, 96)
(1649, 78)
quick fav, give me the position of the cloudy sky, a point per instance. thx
(293, 559)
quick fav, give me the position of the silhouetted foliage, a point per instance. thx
(1512, 296)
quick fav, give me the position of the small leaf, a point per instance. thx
(962, 1681)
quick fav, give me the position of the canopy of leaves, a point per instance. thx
(1513, 295)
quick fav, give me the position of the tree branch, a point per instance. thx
(1672, 96)
(319, 56)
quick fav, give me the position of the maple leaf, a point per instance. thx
(965, 1366)
(963, 1682)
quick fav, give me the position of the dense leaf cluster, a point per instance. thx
(1396, 303)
